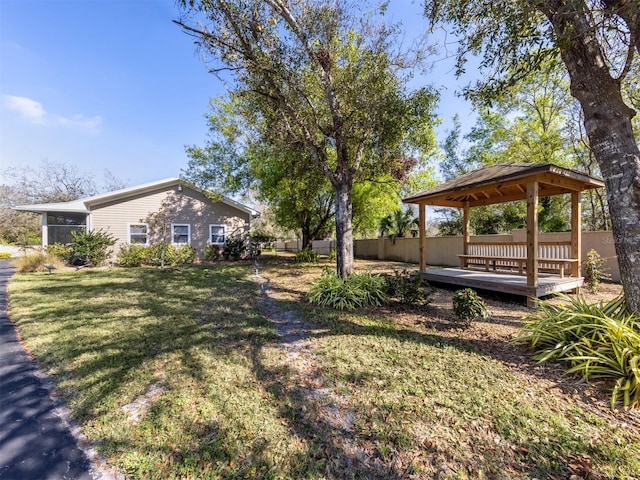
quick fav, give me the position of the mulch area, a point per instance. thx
(491, 337)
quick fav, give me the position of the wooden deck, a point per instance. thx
(502, 282)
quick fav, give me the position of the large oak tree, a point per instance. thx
(323, 76)
(599, 43)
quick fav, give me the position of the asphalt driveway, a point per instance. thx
(36, 438)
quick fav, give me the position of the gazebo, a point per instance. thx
(504, 183)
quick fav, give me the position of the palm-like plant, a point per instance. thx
(598, 341)
(398, 224)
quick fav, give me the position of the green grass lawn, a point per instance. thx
(216, 393)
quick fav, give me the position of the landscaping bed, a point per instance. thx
(225, 371)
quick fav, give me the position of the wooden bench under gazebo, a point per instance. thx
(549, 266)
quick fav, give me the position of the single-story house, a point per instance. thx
(170, 210)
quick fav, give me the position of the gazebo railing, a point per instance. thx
(513, 255)
(555, 250)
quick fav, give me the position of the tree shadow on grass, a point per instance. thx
(530, 455)
(227, 324)
(331, 449)
(102, 355)
(208, 450)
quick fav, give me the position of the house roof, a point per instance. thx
(84, 205)
(76, 206)
(504, 182)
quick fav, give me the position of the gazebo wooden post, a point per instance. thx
(422, 219)
(576, 233)
(532, 238)
(466, 237)
(504, 183)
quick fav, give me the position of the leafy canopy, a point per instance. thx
(321, 77)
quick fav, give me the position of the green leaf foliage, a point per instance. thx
(408, 288)
(594, 270)
(186, 254)
(317, 88)
(212, 253)
(63, 252)
(399, 223)
(91, 246)
(131, 256)
(467, 305)
(533, 121)
(357, 290)
(597, 341)
(235, 246)
(162, 254)
(306, 256)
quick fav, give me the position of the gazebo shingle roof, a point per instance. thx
(504, 182)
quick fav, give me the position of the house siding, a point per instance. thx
(163, 207)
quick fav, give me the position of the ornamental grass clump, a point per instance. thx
(306, 256)
(599, 341)
(34, 262)
(357, 290)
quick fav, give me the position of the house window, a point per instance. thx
(60, 226)
(139, 234)
(216, 234)
(180, 234)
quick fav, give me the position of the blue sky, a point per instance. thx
(114, 84)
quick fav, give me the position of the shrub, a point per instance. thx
(262, 237)
(332, 253)
(91, 247)
(132, 256)
(212, 253)
(594, 271)
(408, 288)
(357, 290)
(306, 256)
(5, 255)
(467, 305)
(63, 252)
(234, 247)
(598, 341)
(34, 262)
(161, 254)
(156, 255)
(186, 254)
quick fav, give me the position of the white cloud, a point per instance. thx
(33, 111)
(80, 121)
(27, 108)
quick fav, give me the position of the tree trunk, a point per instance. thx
(595, 224)
(608, 125)
(344, 230)
(603, 211)
(307, 240)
